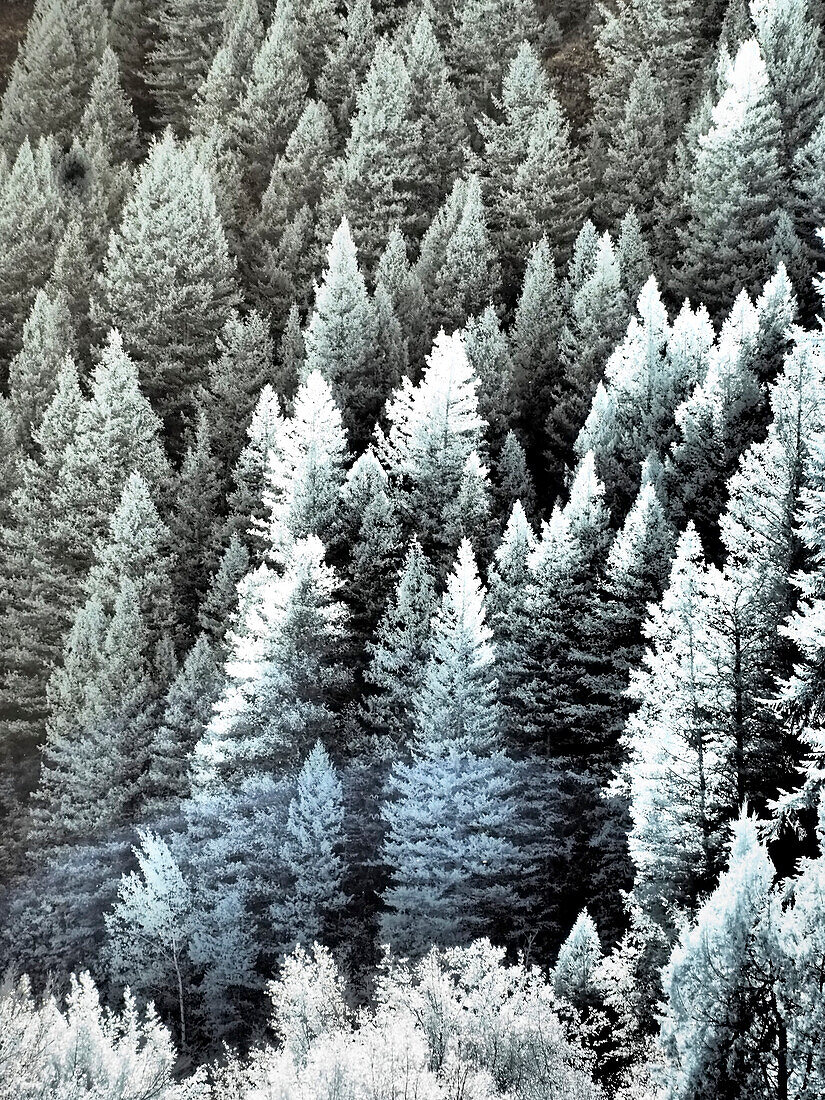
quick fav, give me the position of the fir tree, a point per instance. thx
(468, 839)
(53, 71)
(311, 853)
(186, 34)
(273, 99)
(48, 337)
(167, 282)
(223, 86)
(30, 229)
(341, 339)
(249, 481)
(108, 118)
(348, 61)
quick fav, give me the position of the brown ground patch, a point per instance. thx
(14, 14)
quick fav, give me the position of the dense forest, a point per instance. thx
(412, 569)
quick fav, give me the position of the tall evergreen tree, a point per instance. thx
(223, 86)
(185, 36)
(167, 283)
(463, 882)
(108, 119)
(53, 71)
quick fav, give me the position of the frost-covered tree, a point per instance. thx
(108, 120)
(341, 339)
(249, 476)
(53, 71)
(731, 240)
(184, 37)
(48, 337)
(401, 650)
(433, 427)
(167, 283)
(311, 852)
(577, 962)
(30, 230)
(469, 839)
(283, 671)
(273, 99)
(723, 1030)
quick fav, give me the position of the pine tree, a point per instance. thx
(72, 276)
(223, 86)
(186, 34)
(48, 337)
(400, 651)
(633, 255)
(97, 735)
(218, 607)
(305, 474)
(53, 71)
(534, 342)
(341, 339)
(737, 191)
(436, 110)
(680, 769)
(108, 118)
(512, 478)
(187, 711)
(311, 854)
(719, 985)
(489, 356)
(283, 674)
(347, 62)
(273, 99)
(249, 480)
(458, 266)
(319, 28)
(636, 158)
(167, 283)
(382, 160)
(790, 41)
(403, 284)
(463, 884)
(433, 427)
(30, 229)
(577, 962)
(244, 365)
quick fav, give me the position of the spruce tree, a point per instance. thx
(347, 62)
(382, 160)
(489, 356)
(167, 283)
(400, 651)
(223, 86)
(341, 339)
(463, 883)
(283, 674)
(108, 118)
(249, 480)
(48, 337)
(53, 71)
(30, 230)
(185, 36)
(273, 99)
(311, 852)
(738, 189)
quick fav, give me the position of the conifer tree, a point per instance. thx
(319, 30)
(289, 366)
(738, 189)
(512, 478)
(721, 1032)
(218, 607)
(635, 160)
(187, 711)
(633, 255)
(223, 86)
(791, 44)
(489, 356)
(341, 339)
(403, 284)
(249, 480)
(400, 651)
(283, 674)
(382, 160)
(53, 71)
(108, 118)
(466, 275)
(436, 110)
(167, 283)
(680, 770)
(577, 962)
(468, 839)
(433, 427)
(30, 228)
(48, 337)
(273, 99)
(534, 339)
(185, 35)
(311, 853)
(243, 366)
(347, 62)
